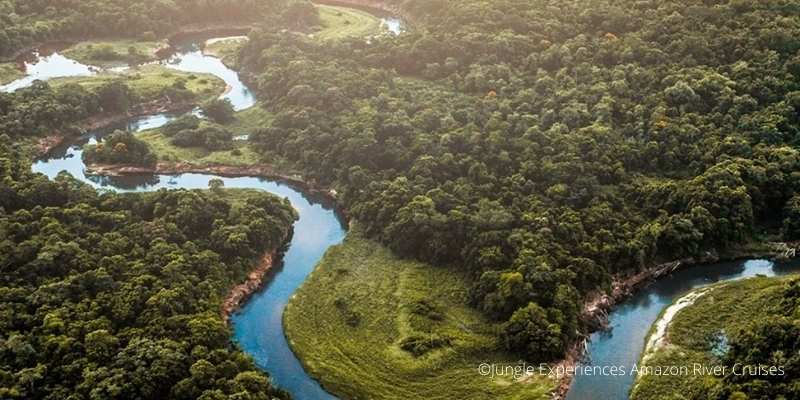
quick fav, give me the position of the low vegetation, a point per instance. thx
(753, 322)
(336, 23)
(155, 81)
(370, 325)
(9, 72)
(236, 152)
(117, 52)
(226, 50)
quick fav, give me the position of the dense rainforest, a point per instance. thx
(541, 146)
(25, 22)
(108, 295)
(43, 109)
(546, 146)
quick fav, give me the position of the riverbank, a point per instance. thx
(597, 308)
(373, 7)
(697, 337)
(181, 33)
(256, 279)
(165, 105)
(47, 143)
(368, 324)
(172, 168)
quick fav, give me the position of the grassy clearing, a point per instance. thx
(149, 81)
(342, 22)
(695, 332)
(241, 155)
(9, 72)
(348, 320)
(116, 52)
(226, 50)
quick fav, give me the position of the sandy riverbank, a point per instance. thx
(597, 308)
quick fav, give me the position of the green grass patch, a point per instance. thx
(226, 50)
(370, 325)
(342, 22)
(697, 331)
(242, 154)
(149, 81)
(9, 72)
(115, 52)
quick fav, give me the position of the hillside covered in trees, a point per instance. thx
(546, 146)
(106, 295)
(25, 22)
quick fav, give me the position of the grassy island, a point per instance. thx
(114, 52)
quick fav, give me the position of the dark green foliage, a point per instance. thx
(421, 345)
(188, 121)
(791, 221)
(119, 148)
(536, 334)
(43, 109)
(212, 137)
(23, 22)
(351, 318)
(548, 144)
(108, 295)
(769, 342)
(219, 110)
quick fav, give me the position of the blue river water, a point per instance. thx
(258, 326)
(630, 323)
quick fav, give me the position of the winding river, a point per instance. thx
(631, 320)
(257, 327)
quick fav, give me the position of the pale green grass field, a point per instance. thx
(361, 280)
(148, 81)
(246, 121)
(119, 52)
(341, 22)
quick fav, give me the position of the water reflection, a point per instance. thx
(393, 25)
(257, 328)
(44, 67)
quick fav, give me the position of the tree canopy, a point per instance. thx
(108, 295)
(547, 144)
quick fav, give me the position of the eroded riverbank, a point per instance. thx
(624, 317)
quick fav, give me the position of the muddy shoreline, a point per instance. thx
(173, 168)
(47, 143)
(256, 279)
(597, 308)
(184, 32)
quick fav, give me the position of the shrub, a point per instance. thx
(219, 110)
